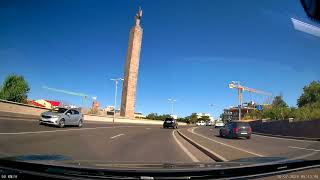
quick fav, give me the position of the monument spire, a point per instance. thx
(138, 16)
(128, 100)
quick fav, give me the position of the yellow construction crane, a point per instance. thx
(236, 84)
(84, 96)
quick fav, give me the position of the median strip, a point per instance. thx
(192, 157)
(240, 149)
(216, 157)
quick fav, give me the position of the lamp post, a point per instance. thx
(172, 101)
(211, 106)
(115, 97)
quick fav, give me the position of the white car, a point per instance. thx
(209, 123)
(201, 123)
(218, 124)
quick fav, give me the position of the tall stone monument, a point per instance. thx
(128, 101)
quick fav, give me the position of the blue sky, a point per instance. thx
(191, 50)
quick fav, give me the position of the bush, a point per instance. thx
(309, 112)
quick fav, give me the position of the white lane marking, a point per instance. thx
(116, 136)
(303, 156)
(210, 129)
(40, 132)
(285, 139)
(316, 150)
(240, 149)
(290, 159)
(147, 128)
(191, 156)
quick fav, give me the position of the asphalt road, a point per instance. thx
(100, 141)
(257, 146)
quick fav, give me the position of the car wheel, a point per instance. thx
(248, 137)
(61, 123)
(40, 123)
(176, 127)
(220, 134)
(80, 123)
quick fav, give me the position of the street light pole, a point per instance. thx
(172, 101)
(211, 105)
(115, 97)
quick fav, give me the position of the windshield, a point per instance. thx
(160, 82)
(60, 110)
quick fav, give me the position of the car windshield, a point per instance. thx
(168, 82)
(60, 110)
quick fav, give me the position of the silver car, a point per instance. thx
(61, 117)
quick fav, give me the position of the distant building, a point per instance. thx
(174, 116)
(139, 115)
(108, 108)
(199, 115)
(95, 106)
(232, 113)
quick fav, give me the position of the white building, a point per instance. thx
(199, 115)
(109, 108)
(174, 116)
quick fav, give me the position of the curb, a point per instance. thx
(202, 149)
(287, 137)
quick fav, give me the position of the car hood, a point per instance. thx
(51, 113)
(60, 160)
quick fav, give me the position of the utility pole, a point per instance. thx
(115, 97)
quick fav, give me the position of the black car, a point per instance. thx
(236, 129)
(170, 122)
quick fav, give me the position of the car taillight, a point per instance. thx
(235, 130)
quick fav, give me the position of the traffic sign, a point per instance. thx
(259, 107)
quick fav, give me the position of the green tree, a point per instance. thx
(279, 102)
(152, 116)
(224, 117)
(15, 88)
(193, 118)
(310, 95)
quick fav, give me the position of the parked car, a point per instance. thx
(201, 123)
(170, 122)
(62, 116)
(219, 124)
(209, 123)
(236, 129)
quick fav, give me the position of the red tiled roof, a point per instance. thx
(54, 103)
(37, 104)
